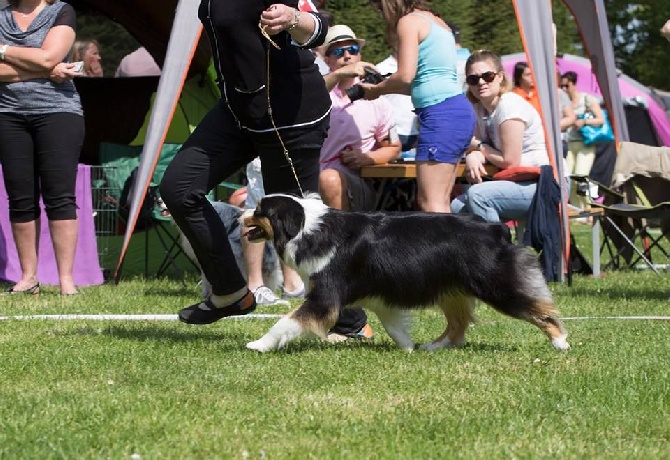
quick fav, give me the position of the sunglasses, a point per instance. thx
(488, 77)
(564, 85)
(339, 52)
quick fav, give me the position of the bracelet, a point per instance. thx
(296, 21)
(3, 50)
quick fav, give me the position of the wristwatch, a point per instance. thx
(3, 50)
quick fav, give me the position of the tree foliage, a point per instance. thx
(640, 50)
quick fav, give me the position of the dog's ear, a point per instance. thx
(286, 215)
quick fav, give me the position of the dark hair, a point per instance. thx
(570, 76)
(519, 68)
(454, 30)
(16, 2)
(328, 17)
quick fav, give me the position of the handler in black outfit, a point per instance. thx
(241, 127)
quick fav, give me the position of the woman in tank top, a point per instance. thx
(427, 70)
(42, 132)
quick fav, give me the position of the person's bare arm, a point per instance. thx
(511, 139)
(55, 47)
(665, 30)
(385, 151)
(408, 59)
(356, 69)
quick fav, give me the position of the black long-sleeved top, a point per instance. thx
(297, 91)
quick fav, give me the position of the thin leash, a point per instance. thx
(272, 120)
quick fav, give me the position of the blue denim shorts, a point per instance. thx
(445, 130)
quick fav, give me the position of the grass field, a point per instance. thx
(161, 389)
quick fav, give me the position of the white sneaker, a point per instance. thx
(264, 296)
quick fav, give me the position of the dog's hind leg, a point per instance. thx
(396, 321)
(459, 313)
(302, 321)
(529, 298)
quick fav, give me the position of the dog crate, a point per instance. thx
(106, 219)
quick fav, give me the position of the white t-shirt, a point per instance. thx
(403, 110)
(514, 107)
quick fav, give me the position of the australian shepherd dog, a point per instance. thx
(392, 263)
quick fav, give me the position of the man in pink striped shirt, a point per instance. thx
(361, 132)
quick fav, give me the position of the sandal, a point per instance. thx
(206, 312)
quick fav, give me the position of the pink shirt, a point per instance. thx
(359, 125)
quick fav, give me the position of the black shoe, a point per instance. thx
(206, 312)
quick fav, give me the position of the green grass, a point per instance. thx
(109, 389)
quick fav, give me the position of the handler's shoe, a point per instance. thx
(365, 333)
(206, 312)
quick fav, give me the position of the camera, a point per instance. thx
(356, 92)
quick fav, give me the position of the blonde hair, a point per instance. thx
(493, 58)
(393, 10)
(16, 2)
(79, 49)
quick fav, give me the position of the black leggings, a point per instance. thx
(39, 155)
(217, 149)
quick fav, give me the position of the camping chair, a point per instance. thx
(637, 207)
(119, 162)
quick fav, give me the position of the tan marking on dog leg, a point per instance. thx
(544, 315)
(315, 325)
(459, 313)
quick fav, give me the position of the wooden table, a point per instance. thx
(408, 170)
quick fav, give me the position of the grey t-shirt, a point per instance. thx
(39, 95)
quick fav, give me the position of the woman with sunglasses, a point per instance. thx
(509, 133)
(428, 71)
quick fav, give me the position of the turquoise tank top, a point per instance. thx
(436, 76)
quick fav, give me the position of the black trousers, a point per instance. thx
(39, 156)
(216, 150)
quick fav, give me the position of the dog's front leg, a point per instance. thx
(283, 332)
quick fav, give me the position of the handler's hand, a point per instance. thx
(355, 69)
(277, 17)
(474, 167)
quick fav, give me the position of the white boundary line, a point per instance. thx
(580, 318)
(128, 317)
(266, 316)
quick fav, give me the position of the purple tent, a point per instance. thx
(586, 82)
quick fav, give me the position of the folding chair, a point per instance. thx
(637, 207)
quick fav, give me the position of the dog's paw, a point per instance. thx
(440, 345)
(262, 346)
(561, 343)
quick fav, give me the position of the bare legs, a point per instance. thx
(434, 182)
(64, 235)
(26, 237)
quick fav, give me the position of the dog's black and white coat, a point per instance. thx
(391, 263)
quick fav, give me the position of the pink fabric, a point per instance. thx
(586, 82)
(87, 269)
(356, 125)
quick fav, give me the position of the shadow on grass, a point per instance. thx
(661, 291)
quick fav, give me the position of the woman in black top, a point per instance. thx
(241, 127)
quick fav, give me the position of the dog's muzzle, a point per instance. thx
(259, 229)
